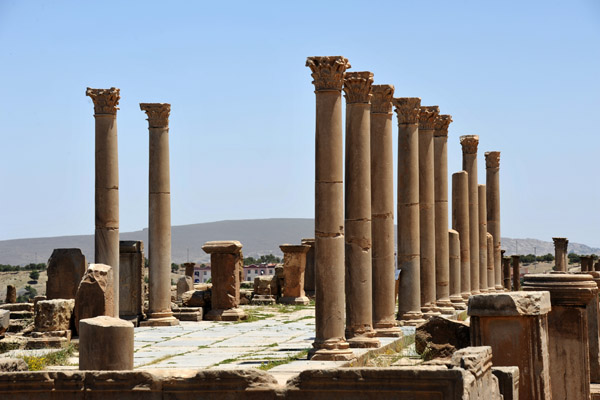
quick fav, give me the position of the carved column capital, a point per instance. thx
(381, 102)
(158, 114)
(492, 159)
(105, 100)
(407, 109)
(469, 143)
(357, 87)
(442, 122)
(427, 117)
(328, 72)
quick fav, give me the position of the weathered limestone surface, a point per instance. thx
(455, 270)
(492, 183)
(105, 343)
(483, 251)
(440, 337)
(460, 223)
(95, 293)
(516, 272)
(262, 290)
(409, 291)
(226, 260)
(12, 364)
(328, 77)
(469, 147)
(4, 321)
(515, 325)
(106, 236)
(197, 298)
(309, 272)
(184, 284)
(294, 263)
(560, 253)
(11, 294)
(131, 280)
(65, 270)
(508, 381)
(53, 315)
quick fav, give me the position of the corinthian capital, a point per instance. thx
(158, 114)
(407, 109)
(442, 122)
(328, 72)
(357, 87)
(469, 144)
(381, 102)
(427, 117)
(492, 159)
(105, 100)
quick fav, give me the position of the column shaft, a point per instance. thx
(460, 223)
(483, 251)
(455, 270)
(490, 263)
(560, 254)
(516, 272)
(492, 182)
(506, 272)
(469, 144)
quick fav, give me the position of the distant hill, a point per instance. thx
(259, 236)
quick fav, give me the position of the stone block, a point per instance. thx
(262, 285)
(131, 280)
(440, 337)
(4, 321)
(196, 298)
(17, 307)
(508, 382)
(12, 364)
(21, 314)
(184, 284)
(53, 315)
(105, 343)
(11, 294)
(65, 270)
(188, 313)
(95, 294)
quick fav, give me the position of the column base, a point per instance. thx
(230, 314)
(411, 318)
(262, 299)
(160, 321)
(430, 310)
(364, 341)
(458, 302)
(491, 290)
(388, 328)
(499, 288)
(331, 350)
(303, 300)
(481, 291)
(465, 295)
(445, 306)
(474, 292)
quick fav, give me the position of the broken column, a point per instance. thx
(483, 251)
(427, 118)
(65, 270)
(455, 270)
(225, 261)
(506, 272)
(382, 212)
(11, 294)
(95, 295)
(409, 291)
(469, 148)
(131, 281)
(516, 272)
(515, 325)
(460, 223)
(359, 286)
(328, 76)
(442, 256)
(294, 263)
(106, 235)
(587, 263)
(492, 183)
(159, 219)
(568, 340)
(490, 262)
(189, 269)
(309, 272)
(105, 344)
(560, 253)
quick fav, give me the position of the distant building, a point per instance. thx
(201, 273)
(254, 270)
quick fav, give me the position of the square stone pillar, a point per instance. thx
(131, 281)
(309, 271)
(515, 325)
(569, 342)
(65, 270)
(294, 263)
(225, 261)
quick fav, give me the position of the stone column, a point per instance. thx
(560, 254)
(359, 286)
(131, 278)
(455, 270)
(442, 256)
(409, 290)
(329, 344)
(11, 294)
(309, 272)
(106, 236)
(515, 325)
(568, 340)
(587, 263)
(159, 218)
(106, 344)
(492, 183)
(469, 147)
(460, 223)
(516, 272)
(490, 262)
(294, 264)
(189, 269)
(382, 212)
(225, 262)
(506, 272)
(483, 252)
(502, 270)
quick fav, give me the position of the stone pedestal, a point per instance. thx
(106, 237)
(460, 223)
(159, 225)
(409, 291)
(516, 273)
(587, 263)
(65, 270)
(225, 261)
(492, 183)
(189, 269)
(490, 263)
(483, 251)
(506, 272)
(469, 147)
(382, 212)
(105, 344)
(309, 272)
(455, 269)
(11, 294)
(329, 344)
(568, 342)
(515, 325)
(560, 253)
(294, 263)
(131, 281)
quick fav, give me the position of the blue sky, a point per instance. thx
(522, 75)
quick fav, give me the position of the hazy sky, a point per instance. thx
(524, 75)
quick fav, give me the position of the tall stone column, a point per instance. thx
(454, 255)
(427, 118)
(460, 223)
(490, 262)
(560, 254)
(442, 256)
(506, 272)
(330, 343)
(492, 183)
(159, 218)
(483, 251)
(409, 291)
(106, 236)
(382, 212)
(359, 286)
(469, 148)
(516, 272)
